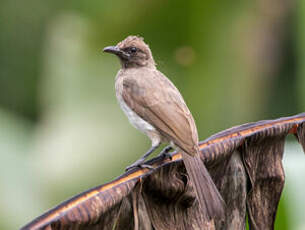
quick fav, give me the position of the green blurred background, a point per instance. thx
(61, 129)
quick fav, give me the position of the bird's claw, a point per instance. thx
(165, 153)
(138, 166)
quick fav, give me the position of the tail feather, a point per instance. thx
(209, 198)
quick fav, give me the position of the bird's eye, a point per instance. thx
(133, 49)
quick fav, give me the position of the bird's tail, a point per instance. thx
(209, 198)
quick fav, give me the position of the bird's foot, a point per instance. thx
(138, 165)
(165, 153)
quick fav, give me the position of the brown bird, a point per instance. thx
(154, 106)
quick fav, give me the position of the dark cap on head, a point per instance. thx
(133, 52)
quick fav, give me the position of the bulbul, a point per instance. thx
(154, 106)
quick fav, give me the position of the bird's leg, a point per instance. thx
(139, 162)
(165, 152)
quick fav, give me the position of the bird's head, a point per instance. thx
(133, 52)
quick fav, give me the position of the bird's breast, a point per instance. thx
(133, 118)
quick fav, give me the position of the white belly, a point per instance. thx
(134, 119)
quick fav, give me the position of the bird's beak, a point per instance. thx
(112, 49)
(117, 51)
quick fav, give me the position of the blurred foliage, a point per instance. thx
(61, 130)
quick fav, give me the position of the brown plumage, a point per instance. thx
(154, 105)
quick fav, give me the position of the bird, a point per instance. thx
(155, 106)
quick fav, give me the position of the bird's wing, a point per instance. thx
(156, 100)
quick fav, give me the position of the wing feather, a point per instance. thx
(156, 100)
